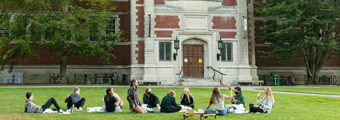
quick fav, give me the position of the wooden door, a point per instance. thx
(193, 62)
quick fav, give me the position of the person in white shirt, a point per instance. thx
(217, 99)
(266, 104)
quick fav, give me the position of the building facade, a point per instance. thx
(148, 52)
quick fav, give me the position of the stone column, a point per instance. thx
(244, 68)
(149, 37)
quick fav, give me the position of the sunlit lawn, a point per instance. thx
(317, 90)
(295, 107)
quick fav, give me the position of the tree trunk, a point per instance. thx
(315, 60)
(63, 63)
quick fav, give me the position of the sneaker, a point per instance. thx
(130, 111)
(71, 109)
(60, 111)
(80, 109)
(65, 112)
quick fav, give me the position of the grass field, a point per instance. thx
(287, 107)
(317, 90)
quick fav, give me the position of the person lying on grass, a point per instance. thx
(110, 102)
(75, 100)
(266, 104)
(30, 107)
(218, 100)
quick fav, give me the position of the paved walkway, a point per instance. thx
(246, 88)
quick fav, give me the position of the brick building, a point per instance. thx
(147, 54)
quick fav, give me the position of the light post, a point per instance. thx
(220, 46)
(176, 47)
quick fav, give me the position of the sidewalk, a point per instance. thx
(245, 88)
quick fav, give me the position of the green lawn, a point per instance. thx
(287, 107)
(316, 90)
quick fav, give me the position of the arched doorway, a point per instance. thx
(193, 58)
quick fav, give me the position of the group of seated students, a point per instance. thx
(112, 103)
(168, 104)
(217, 99)
(73, 100)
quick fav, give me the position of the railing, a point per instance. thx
(180, 75)
(334, 80)
(331, 80)
(214, 75)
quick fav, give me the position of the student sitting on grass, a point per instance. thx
(150, 99)
(132, 97)
(110, 102)
(169, 104)
(266, 104)
(30, 107)
(120, 101)
(218, 100)
(187, 99)
(238, 97)
(75, 100)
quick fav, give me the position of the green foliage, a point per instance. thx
(295, 26)
(65, 26)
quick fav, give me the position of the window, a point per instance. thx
(227, 52)
(164, 51)
(111, 26)
(94, 32)
(48, 34)
(3, 32)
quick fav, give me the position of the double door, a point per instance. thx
(193, 61)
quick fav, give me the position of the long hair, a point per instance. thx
(171, 93)
(269, 94)
(108, 92)
(188, 94)
(215, 95)
(146, 91)
(132, 81)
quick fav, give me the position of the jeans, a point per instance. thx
(49, 103)
(77, 104)
(218, 112)
(117, 109)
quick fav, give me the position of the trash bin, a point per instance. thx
(276, 80)
(114, 78)
(125, 79)
(266, 80)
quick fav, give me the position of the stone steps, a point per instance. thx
(199, 82)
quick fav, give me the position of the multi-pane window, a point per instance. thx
(49, 33)
(111, 28)
(94, 32)
(164, 51)
(3, 32)
(227, 52)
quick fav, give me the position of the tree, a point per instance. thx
(67, 27)
(302, 28)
